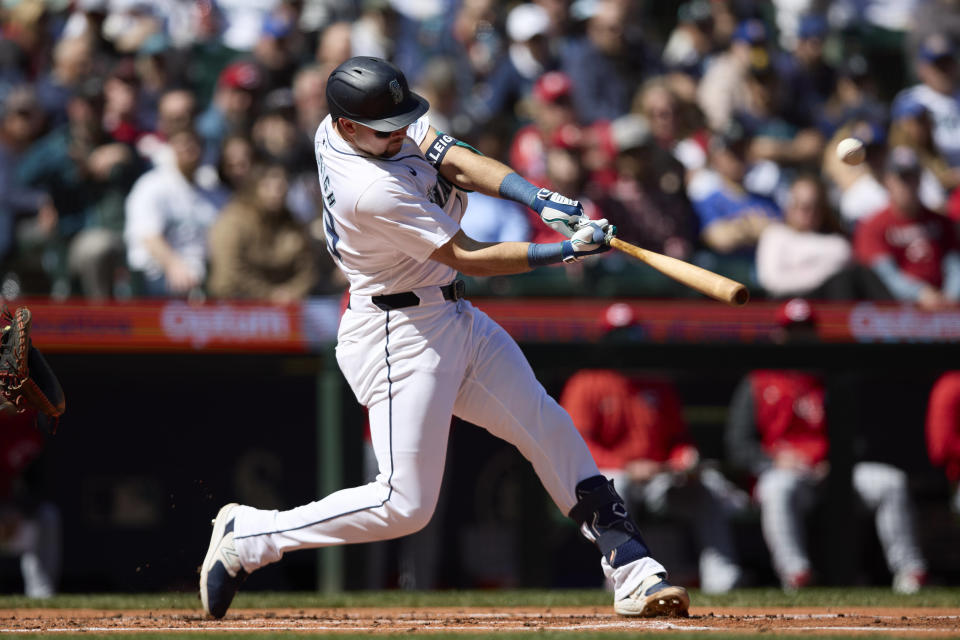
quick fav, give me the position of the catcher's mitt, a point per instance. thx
(26, 380)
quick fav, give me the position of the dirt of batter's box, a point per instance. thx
(924, 621)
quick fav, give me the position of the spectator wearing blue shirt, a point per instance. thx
(13, 64)
(912, 126)
(690, 45)
(526, 58)
(854, 97)
(775, 138)
(273, 52)
(731, 217)
(231, 110)
(808, 80)
(20, 122)
(607, 64)
(938, 92)
(72, 62)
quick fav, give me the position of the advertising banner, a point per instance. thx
(179, 326)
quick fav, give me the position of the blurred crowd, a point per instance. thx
(165, 148)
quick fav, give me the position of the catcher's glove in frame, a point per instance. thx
(27, 383)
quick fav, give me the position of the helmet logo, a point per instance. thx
(395, 91)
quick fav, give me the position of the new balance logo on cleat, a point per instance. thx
(221, 574)
(655, 598)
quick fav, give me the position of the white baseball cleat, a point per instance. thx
(909, 582)
(655, 598)
(221, 574)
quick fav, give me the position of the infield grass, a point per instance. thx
(770, 597)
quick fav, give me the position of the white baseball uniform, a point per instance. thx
(415, 367)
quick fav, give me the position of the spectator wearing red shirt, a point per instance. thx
(943, 430)
(635, 430)
(953, 205)
(777, 433)
(122, 120)
(556, 153)
(632, 424)
(551, 109)
(913, 250)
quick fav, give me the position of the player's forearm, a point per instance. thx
(473, 258)
(468, 169)
(502, 258)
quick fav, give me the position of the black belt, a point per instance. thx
(453, 292)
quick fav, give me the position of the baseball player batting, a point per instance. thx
(415, 352)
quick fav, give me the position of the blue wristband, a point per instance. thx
(540, 255)
(515, 187)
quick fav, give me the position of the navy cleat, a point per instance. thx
(655, 598)
(221, 574)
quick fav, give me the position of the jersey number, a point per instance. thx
(326, 194)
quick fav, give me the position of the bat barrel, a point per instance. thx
(706, 282)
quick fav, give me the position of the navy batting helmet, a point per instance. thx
(374, 93)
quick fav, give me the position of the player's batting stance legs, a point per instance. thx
(410, 409)
(516, 408)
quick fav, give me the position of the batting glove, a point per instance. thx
(590, 238)
(559, 212)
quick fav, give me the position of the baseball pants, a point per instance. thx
(786, 496)
(414, 368)
(883, 489)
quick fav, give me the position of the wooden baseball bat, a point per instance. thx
(706, 282)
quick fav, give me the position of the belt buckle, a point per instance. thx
(459, 289)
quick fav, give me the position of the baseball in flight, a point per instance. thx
(851, 151)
